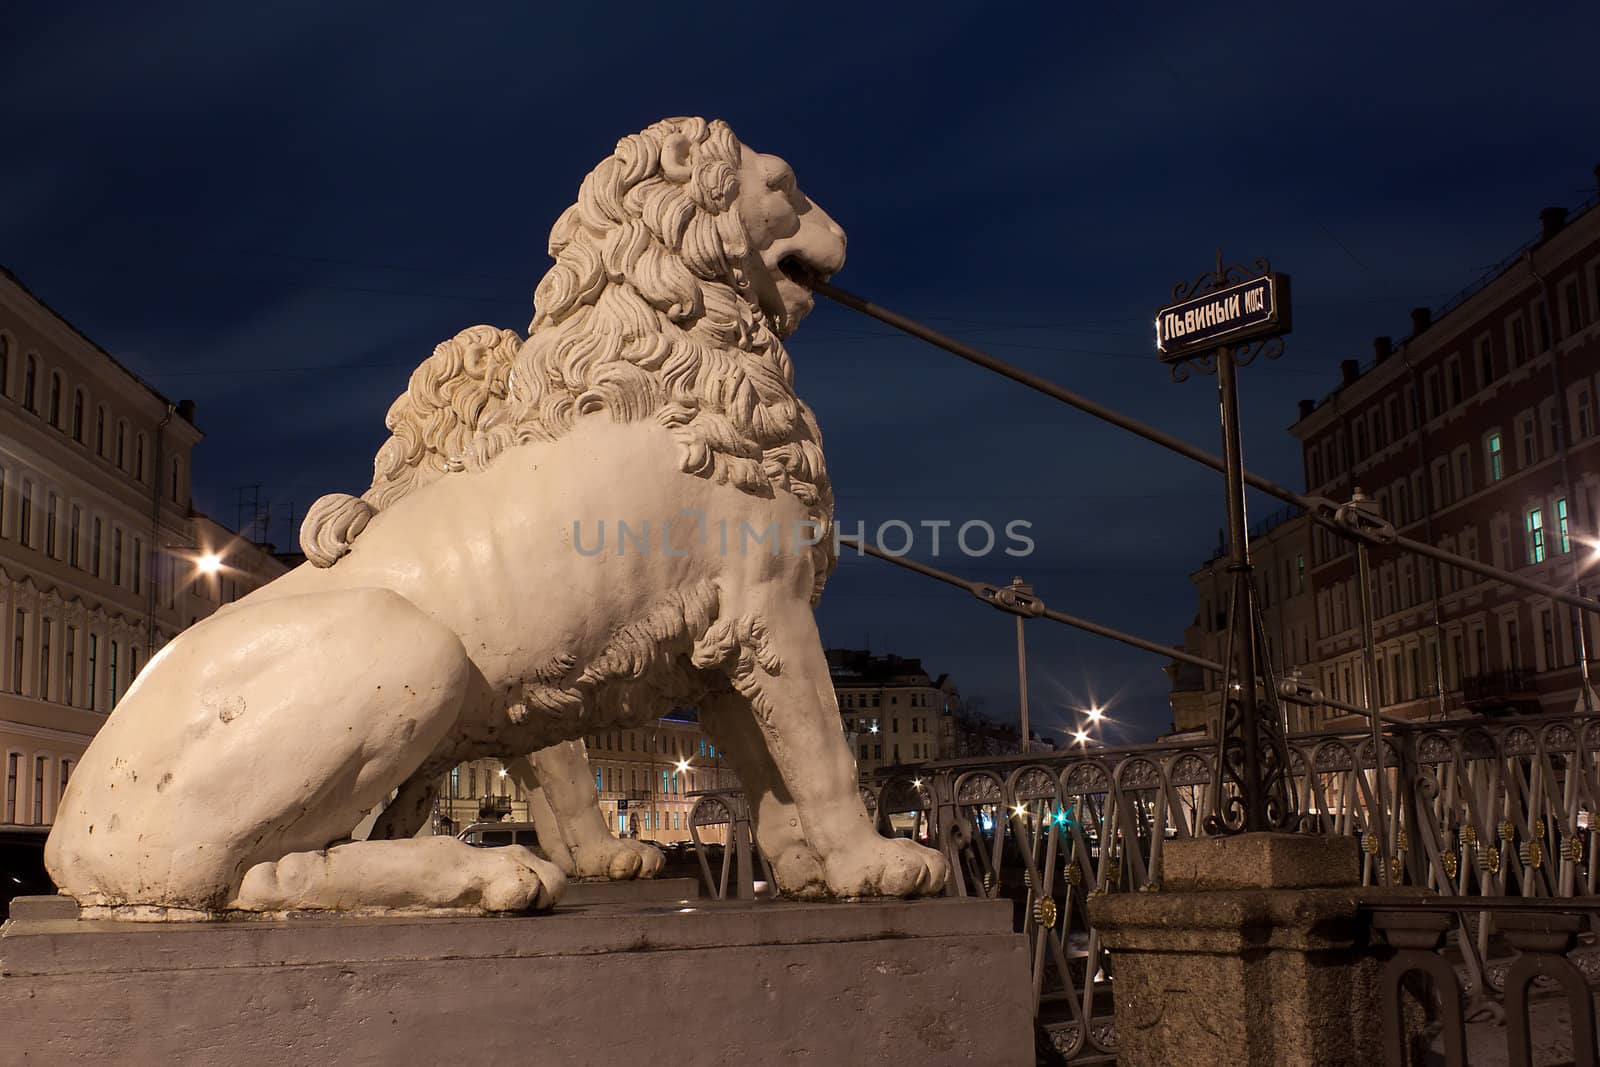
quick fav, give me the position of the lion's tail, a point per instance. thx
(332, 525)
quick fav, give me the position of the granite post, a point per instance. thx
(1251, 952)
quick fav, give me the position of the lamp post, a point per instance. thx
(1205, 331)
(1362, 514)
(1018, 598)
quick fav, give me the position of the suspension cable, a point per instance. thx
(1319, 509)
(1029, 606)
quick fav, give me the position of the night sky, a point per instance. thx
(278, 211)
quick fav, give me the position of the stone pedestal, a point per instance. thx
(1252, 952)
(940, 981)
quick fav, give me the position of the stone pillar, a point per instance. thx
(1251, 952)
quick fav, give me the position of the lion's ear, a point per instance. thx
(675, 152)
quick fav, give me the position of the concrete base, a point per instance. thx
(940, 981)
(1252, 953)
(637, 891)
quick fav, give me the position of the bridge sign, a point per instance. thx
(1255, 308)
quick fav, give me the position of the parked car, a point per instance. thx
(22, 872)
(498, 834)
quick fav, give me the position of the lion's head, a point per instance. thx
(669, 299)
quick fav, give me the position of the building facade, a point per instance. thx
(1478, 433)
(892, 710)
(646, 779)
(98, 543)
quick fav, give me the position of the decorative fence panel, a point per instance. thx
(1472, 809)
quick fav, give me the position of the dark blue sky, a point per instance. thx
(279, 210)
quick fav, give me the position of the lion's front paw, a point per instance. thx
(885, 867)
(617, 859)
(513, 879)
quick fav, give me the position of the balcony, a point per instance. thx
(493, 809)
(1512, 690)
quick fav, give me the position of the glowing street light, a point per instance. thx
(1081, 737)
(1096, 713)
(683, 766)
(873, 728)
(210, 563)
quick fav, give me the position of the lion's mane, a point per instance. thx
(643, 316)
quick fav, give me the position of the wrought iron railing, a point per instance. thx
(1537, 952)
(1473, 809)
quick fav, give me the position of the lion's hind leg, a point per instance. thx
(435, 874)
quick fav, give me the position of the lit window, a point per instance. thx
(1561, 525)
(1497, 468)
(1536, 536)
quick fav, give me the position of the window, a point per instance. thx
(1380, 436)
(69, 662)
(5, 366)
(74, 533)
(1535, 527)
(122, 445)
(55, 400)
(1573, 307)
(95, 544)
(93, 669)
(16, 650)
(1496, 459)
(175, 482)
(77, 415)
(1441, 483)
(1361, 439)
(13, 766)
(138, 457)
(1541, 319)
(116, 557)
(45, 626)
(66, 776)
(1529, 440)
(1430, 383)
(1485, 354)
(1585, 406)
(100, 431)
(138, 565)
(1392, 405)
(1453, 390)
(25, 515)
(1517, 340)
(52, 505)
(1300, 565)
(1563, 539)
(1502, 546)
(38, 790)
(29, 380)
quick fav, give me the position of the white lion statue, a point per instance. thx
(451, 613)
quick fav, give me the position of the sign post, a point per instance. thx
(1206, 330)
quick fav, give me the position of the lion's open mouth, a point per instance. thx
(800, 272)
